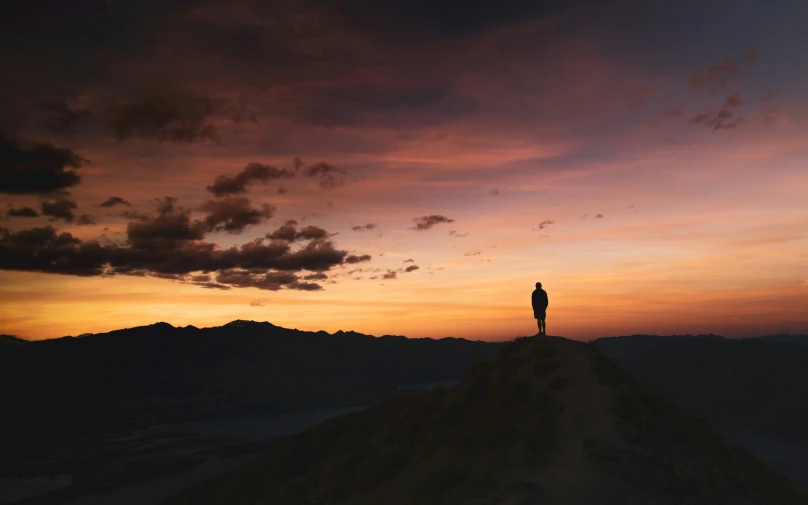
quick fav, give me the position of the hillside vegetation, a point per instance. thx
(547, 421)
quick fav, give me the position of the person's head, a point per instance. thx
(538, 285)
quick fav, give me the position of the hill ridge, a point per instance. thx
(548, 421)
(161, 373)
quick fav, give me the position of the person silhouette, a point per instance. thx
(540, 302)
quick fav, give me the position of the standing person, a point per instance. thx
(540, 302)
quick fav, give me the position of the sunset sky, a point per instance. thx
(647, 161)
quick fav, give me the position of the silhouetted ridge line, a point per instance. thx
(11, 340)
(134, 377)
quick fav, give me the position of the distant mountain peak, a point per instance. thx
(12, 340)
(244, 323)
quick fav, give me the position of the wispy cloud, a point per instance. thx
(113, 201)
(428, 222)
(253, 172)
(364, 227)
(165, 115)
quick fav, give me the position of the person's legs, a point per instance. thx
(542, 327)
(538, 321)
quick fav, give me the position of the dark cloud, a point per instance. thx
(411, 268)
(427, 222)
(317, 255)
(289, 232)
(281, 190)
(225, 185)
(545, 224)
(599, 216)
(311, 232)
(59, 209)
(494, 191)
(409, 260)
(457, 234)
(63, 117)
(113, 201)
(29, 167)
(304, 286)
(171, 227)
(22, 212)
(165, 116)
(82, 25)
(271, 281)
(85, 219)
(390, 275)
(169, 245)
(352, 259)
(326, 173)
(420, 21)
(319, 276)
(211, 285)
(364, 227)
(43, 250)
(473, 254)
(234, 213)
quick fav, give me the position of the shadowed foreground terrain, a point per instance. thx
(751, 390)
(748, 384)
(549, 421)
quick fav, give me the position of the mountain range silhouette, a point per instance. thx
(61, 389)
(636, 419)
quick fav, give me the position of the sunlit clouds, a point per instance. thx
(415, 175)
